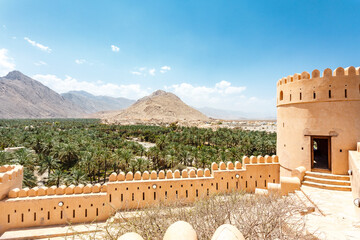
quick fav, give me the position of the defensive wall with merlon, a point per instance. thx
(40, 206)
(11, 176)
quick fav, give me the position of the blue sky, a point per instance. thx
(222, 54)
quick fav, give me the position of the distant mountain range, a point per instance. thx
(234, 115)
(23, 97)
(92, 104)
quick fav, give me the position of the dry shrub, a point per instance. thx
(256, 216)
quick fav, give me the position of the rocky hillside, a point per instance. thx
(159, 108)
(91, 104)
(23, 97)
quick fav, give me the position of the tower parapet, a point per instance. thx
(338, 85)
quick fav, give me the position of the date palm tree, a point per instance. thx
(57, 177)
(47, 163)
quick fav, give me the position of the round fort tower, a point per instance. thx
(318, 119)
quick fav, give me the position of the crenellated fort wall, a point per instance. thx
(324, 105)
(10, 177)
(340, 85)
(42, 206)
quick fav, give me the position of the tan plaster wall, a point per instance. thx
(11, 177)
(40, 206)
(323, 116)
(141, 193)
(354, 165)
(44, 210)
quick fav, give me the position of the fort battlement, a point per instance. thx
(41, 206)
(61, 190)
(11, 177)
(338, 85)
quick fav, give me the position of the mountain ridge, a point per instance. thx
(24, 97)
(92, 104)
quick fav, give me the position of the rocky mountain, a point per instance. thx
(23, 97)
(91, 104)
(158, 108)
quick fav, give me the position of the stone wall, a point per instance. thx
(76, 204)
(354, 166)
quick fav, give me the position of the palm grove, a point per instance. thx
(86, 151)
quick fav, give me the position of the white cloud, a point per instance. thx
(164, 69)
(152, 71)
(80, 61)
(115, 48)
(223, 95)
(6, 63)
(132, 91)
(40, 63)
(142, 71)
(38, 45)
(136, 73)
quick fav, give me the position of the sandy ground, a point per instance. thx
(338, 221)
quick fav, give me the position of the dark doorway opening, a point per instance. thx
(321, 154)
